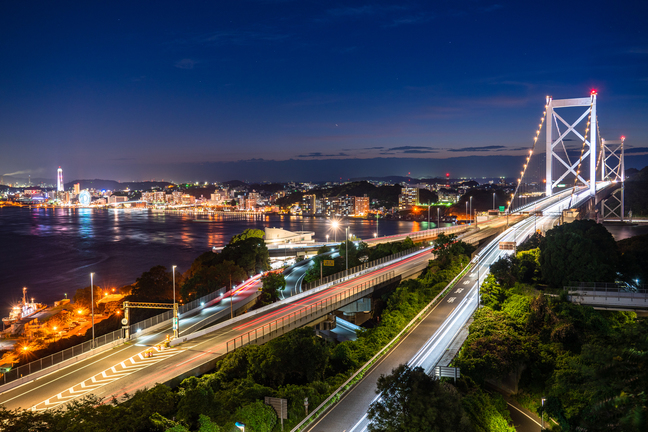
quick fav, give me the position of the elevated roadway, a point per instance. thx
(425, 345)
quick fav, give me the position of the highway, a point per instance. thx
(31, 393)
(443, 322)
(126, 369)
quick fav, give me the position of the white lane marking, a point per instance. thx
(452, 299)
(459, 291)
(525, 414)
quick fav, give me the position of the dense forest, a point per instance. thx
(590, 366)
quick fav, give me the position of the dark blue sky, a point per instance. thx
(139, 90)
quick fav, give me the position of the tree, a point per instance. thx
(248, 233)
(581, 251)
(82, 296)
(154, 285)
(257, 417)
(492, 293)
(209, 279)
(447, 246)
(411, 400)
(503, 270)
(272, 284)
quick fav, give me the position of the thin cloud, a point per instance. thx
(410, 148)
(319, 154)
(412, 19)
(478, 149)
(185, 64)
(420, 151)
(636, 150)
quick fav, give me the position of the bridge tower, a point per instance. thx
(613, 169)
(552, 152)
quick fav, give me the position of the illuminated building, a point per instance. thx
(77, 188)
(361, 205)
(408, 198)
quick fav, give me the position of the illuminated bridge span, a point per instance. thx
(575, 156)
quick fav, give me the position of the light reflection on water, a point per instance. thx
(53, 251)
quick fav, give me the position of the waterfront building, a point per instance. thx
(408, 198)
(361, 205)
(77, 188)
(309, 204)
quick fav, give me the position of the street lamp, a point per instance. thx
(176, 322)
(327, 236)
(493, 200)
(542, 416)
(92, 305)
(438, 218)
(428, 227)
(347, 249)
(466, 210)
(471, 210)
(335, 225)
(375, 235)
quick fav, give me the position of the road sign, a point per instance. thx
(507, 245)
(280, 406)
(329, 263)
(124, 321)
(447, 372)
(502, 208)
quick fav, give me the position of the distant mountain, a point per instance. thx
(98, 184)
(634, 175)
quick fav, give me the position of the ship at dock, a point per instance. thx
(23, 310)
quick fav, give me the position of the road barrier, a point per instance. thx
(105, 341)
(306, 314)
(359, 374)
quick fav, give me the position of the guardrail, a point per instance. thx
(358, 375)
(136, 329)
(308, 313)
(345, 273)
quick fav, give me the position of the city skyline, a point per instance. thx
(321, 91)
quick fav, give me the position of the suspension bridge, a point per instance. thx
(576, 157)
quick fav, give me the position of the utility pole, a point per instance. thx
(438, 218)
(471, 210)
(231, 299)
(428, 214)
(347, 250)
(176, 323)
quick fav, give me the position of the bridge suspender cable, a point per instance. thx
(528, 158)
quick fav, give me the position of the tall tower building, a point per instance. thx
(59, 183)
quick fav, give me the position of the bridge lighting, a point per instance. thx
(622, 137)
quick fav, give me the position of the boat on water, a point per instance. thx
(22, 310)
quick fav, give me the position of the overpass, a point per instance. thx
(609, 296)
(289, 250)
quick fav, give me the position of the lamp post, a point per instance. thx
(466, 209)
(92, 305)
(428, 227)
(347, 249)
(438, 218)
(327, 236)
(231, 299)
(493, 200)
(335, 225)
(542, 416)
(176, 322)
(471, 210)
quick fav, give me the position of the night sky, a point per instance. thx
(187, 90)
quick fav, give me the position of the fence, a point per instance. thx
(341, 275)
(102, 340)
(607, 287)
(307, 313)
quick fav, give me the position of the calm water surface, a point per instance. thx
(53, 251)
